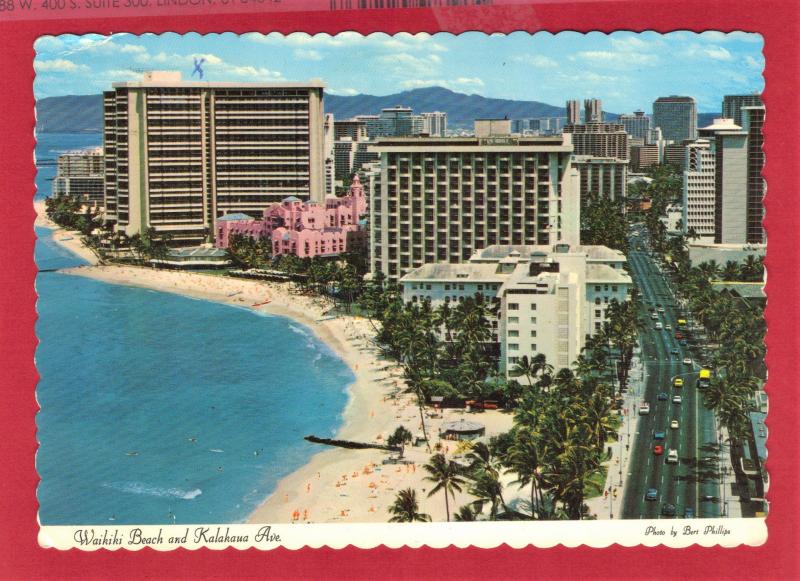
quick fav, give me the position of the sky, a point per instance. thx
(626, 70)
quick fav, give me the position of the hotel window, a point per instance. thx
(461, 287)
(597, 326)
(447, 287)
(513, 360)
(480, 287)
(614, 288)
(533, 306)
(513, 333)
(513, 346)
(597, 300)
(533, 333)
(597, 288)
(428, 287)
(512, 320)
(513, 306)
(533, 320)
(533, 347)
(598, 313)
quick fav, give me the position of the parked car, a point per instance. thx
(644, 409)
(651, 494)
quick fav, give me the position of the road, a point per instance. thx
(695, 476)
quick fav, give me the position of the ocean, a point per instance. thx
(156, 408)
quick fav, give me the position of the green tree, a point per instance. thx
(446, 476)
(406, 508)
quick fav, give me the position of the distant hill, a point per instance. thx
(70, 114)
(461, 109)
(84, 113)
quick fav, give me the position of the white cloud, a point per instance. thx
(213, 67)
(58, 66)
(754, 63)
(717, 53)
(622, 59)
(718, 36)
(407, 65)
(304, 39)
(307, 54)
(48, 44)
(536, 60)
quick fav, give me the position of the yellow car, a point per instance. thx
(678, 382)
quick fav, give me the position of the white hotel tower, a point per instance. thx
(551, 297)
(441, 199)
(180, 154)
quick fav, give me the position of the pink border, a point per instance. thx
(21, 557)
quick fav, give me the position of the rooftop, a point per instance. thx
(525, 251)
(605, 274)
(456, 273)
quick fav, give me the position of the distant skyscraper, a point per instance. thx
(328, 141)
(434, 123)
(732, 106)
(636, 125)
(676, 116)
(600, 140)
(752, 122)
(593, 111)
(573, 112)
(80, 174)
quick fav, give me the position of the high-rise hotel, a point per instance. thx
(180, 154)
(441, 199)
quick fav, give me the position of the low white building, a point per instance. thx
(551, 298)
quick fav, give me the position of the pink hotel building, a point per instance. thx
(305, 229)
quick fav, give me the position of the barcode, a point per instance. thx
(377, 4)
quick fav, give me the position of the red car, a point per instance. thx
(679, 335)
(658, 450)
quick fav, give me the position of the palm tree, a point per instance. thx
(446, 476)
(524, 459)
(400, 437)
(487, 488)
(530, 367)
(465, 514)
(406, 508)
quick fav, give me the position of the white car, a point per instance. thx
(687, 360)
(668, 327)
(672, 456)
(677, 399)
(660, 309)
(659, 326)
(674, 424)
(644, 409)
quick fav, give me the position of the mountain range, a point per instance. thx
(84, 113)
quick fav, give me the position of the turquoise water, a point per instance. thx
(158, 408)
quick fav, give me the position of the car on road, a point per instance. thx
(658, 449)
(668, 510)
(654, 317)
(651, 494)
(674, 351)
(678, 335)
(678, 382)
(660, 435)
(674, 425)
(672, 456)
(659, 326)
(682, 342)
(663, 396)
(660, 309)
(644, 409)
(687, 360)
(688, 512)
(677, 399)
(668, 327)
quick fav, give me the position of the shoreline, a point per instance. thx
(335, 484)
(68, 239)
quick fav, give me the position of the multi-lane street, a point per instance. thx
(691, 483)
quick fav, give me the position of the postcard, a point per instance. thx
(462, 289)
(403, 289)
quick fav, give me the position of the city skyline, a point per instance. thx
(627, 71)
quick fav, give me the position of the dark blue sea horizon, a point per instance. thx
(157, 408)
